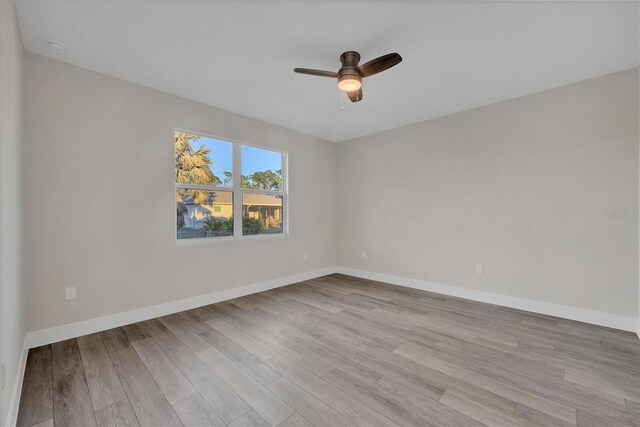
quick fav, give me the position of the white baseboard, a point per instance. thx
(580, 314)
(72, 330)
(12, 413)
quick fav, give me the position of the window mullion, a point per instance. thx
(237, 190)
(284, 173)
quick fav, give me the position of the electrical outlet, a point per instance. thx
(363, 254)
(479, 268)
(70, 293)
(305, 255)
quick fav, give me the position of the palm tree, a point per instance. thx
(192, 167)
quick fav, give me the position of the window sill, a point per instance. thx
(229, 239)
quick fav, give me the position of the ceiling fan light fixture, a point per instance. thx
(349, 83)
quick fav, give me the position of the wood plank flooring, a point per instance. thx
(338, 351)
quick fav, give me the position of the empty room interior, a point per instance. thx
(319, 213)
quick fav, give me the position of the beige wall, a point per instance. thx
(12, 293)
(523, 187)
(98, 151)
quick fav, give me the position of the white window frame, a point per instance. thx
(237, 193)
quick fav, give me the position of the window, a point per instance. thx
(226, 190)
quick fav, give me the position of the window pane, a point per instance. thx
(202, 160)
(203, 213)
(261, 169)
(261, 214)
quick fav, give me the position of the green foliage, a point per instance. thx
(263, 180)
(227, 177)
(219, 224)
(251, 226)
(192, 167)
(181, 211)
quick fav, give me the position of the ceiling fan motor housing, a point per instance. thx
(349, 70)
(349, 62)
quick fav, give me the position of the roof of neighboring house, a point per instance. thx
(262, 199)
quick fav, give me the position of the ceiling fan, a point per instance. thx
(350, 75)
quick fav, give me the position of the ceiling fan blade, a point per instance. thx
(320, 73)
(380, 64)
(355, 96)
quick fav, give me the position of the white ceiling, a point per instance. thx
(239, 55)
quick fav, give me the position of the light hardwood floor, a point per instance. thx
(338, 351)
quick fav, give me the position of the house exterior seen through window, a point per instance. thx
(227, 190)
